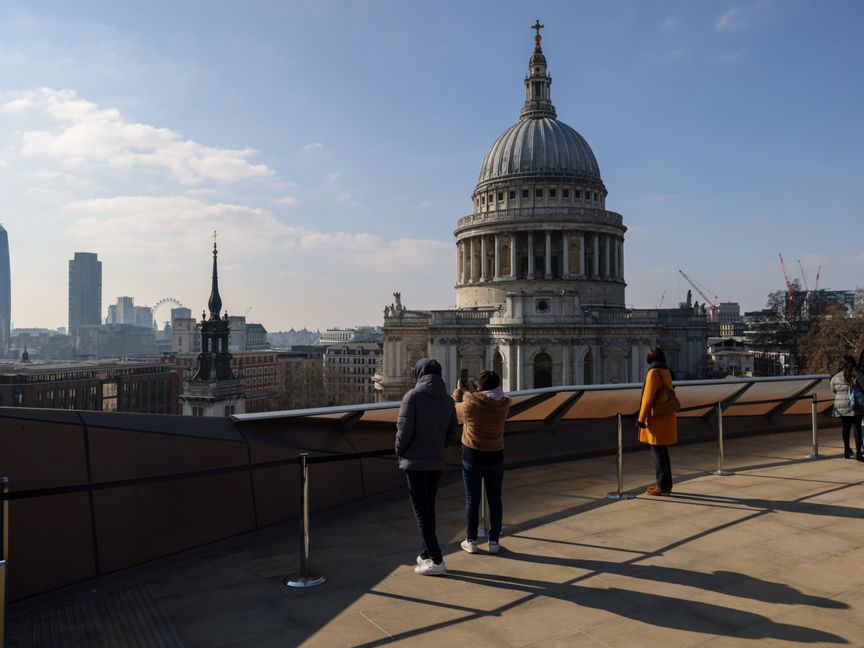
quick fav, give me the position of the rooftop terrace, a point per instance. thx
(771, 554)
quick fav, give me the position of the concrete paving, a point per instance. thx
(770, 555)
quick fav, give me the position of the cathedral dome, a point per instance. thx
(539, 147)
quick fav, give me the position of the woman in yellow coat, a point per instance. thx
(658, 431)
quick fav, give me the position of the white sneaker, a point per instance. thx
(429, 568)
(494, 547)
(421, 559)
(470, 546)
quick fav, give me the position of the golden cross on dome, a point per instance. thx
(537, 26)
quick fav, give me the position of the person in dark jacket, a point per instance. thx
(841, 384)
(426, 424)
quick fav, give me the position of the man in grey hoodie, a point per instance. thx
(426, 424)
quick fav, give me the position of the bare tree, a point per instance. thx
(782, 326)
(311, 383)
(834, 334)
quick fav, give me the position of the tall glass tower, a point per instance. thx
(85, 291)
(5, 293)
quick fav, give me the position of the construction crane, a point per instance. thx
(661, 300)
(790, 289)
(713, 303)
(803, 276)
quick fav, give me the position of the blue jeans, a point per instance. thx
(474, 475)
(422, 490)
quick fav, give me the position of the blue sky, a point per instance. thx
(334, 145)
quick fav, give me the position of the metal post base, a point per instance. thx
(724, 473)
(482, 533)
(312, 579)
(815, 455)
(620, 496)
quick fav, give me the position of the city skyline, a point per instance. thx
(334, 146)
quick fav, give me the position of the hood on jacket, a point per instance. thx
(429, 380)
(480, 399)
(426, 367)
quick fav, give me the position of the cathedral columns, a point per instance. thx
(565, 365)
(608, 256)
(620, 259)
(483, 275)
(548, 255)
(453, 373)
(596, 269)
(471, 262)
(497, 258)
(565, 249)
(520, 363)
(530, 255)
(582, 270)
(466, 261)
(512, 256)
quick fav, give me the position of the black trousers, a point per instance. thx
(662, 466)
(422, 490)
(852, 423)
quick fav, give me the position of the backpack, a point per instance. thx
(856, 399)
(666, 402)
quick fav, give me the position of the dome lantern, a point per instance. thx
(538, 99)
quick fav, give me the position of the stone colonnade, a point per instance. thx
(540, 254)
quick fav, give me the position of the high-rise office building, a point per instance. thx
(5, 293)
(85, 291)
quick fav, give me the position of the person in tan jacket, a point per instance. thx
(484, 412)
(657, 431)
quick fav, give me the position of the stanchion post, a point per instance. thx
(483, 530)
(306, 577)
(814, 454)
(620, 494)
(4, 556)
(721, 454)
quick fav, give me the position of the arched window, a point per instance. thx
(588, 369)
(542, 370)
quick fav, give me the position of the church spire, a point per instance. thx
(538, 101)
(215, 302)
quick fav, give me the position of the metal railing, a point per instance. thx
(4, 554)
(306, 577)
(620, 494)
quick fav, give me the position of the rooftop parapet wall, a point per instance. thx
(98, 492)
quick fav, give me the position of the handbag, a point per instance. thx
(856, 399)
(665, 402)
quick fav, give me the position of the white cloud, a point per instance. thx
(313, 146)
(285, 200)
(84, 134)
(153, 226)
(425, 204)
(727, 19)
(137, 226)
